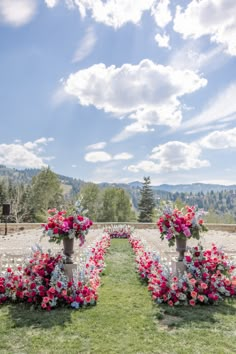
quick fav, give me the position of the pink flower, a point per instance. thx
(200, 298)
(193, 281)
(46, 299)
(192, 302)
(194, 294)
(203, 285)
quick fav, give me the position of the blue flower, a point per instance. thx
(75, 305)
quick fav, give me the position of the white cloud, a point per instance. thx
(172, 156)
(60, 96)
(215, 18)
(97, 146)
(221, 108)
(17, 12)
(123, 156)
(24, 155)
(51, 3)
(163, 40)
(222, 139)
(97, 156)
(73, 166)
(131, 130)
(206, 128)
(161, 13)
(193, 57)
(86, 45)
(102, 156)
(112, 12)
(36, 144)
(147, 93)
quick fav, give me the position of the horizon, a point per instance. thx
(135, 181)
(122, 90)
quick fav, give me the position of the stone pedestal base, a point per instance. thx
(68, 269)
(178, 268)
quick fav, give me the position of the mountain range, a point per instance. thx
(73, 185)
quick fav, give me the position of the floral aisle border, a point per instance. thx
(119, 231)
(209, 276)
(42, 282)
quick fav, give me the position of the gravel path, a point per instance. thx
(20, 243)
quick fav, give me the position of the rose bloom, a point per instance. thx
(203, 286)
(194, 294)
(193, 281)
(170, 303)
(192, 302)
(174, 287)
(46, 299)
(52, 290)
(227, 282)
(200, 298)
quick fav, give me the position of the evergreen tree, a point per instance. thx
(146, 204)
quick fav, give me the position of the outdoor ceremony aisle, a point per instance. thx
(125, 320)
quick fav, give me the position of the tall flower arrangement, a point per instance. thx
(61, 225)
(175, 223)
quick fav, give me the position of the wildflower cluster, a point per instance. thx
(60, 226)
(42, 280)
(179, 224)
(119, 231)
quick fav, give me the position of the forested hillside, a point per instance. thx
(30, 196)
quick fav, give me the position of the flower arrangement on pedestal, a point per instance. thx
(61, 226)
(177, 224)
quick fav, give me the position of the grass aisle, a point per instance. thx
(124, 321)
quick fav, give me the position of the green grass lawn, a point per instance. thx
(125, 320)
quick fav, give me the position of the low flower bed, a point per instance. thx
(208, 278)
(119, 231)
(42, 282)
(145, 260)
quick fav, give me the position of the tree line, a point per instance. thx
(30, 201)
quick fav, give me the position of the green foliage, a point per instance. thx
(115, 206)
(46, 193)
(146, 204)
(91, 200)
(216, 218)
(3, 192)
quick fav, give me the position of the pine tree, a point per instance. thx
(146, 203)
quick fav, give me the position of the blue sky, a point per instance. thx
(117, 90)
